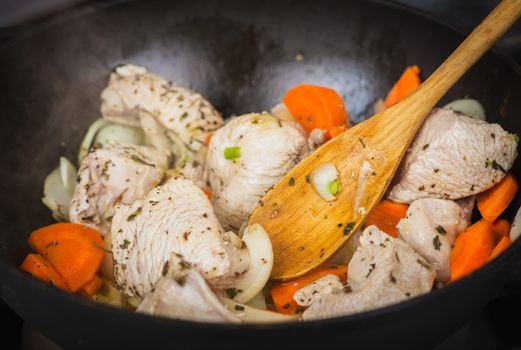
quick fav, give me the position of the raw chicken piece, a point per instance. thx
(312, 292)
(383, 271)
(269, 148)
(175, 217)
(112, 174)
(175, 119)
(430, 227)
(453, 156)
(182, 293)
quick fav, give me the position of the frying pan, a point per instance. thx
(241, 55)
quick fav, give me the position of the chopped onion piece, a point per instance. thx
(261, 263)
(515, 230)
(258, 301)
(235, 240)
(469, 107)
(120, 133)
(345, 253)
(89, 137)
(325, 181)
(68, 174)
(55, 196)
(250, 314)
(281, 112)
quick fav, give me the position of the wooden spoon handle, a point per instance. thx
(467, 53)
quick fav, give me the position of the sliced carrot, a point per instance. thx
(408, 82)
(92, 287)
(495, 200)
(208, 193)
(75, 251)
(501, 228)
(282, 293)
(386, 216)
(503, 244)
(208, 139)
(316, 107)
(472, 249)
(334, 131)
(38, 267)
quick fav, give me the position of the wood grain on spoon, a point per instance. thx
(305, 229)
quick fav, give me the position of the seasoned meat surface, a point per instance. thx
(268, 148)
(430, 227)
(112, 174)
(452, 157)
(176, 217)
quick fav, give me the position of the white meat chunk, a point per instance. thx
(430, 227)
(312, 292)
(268, 147)
(383, 271)
(182, 293)
(175, 217)
(112, 174)
(453, 156)
(175, 119)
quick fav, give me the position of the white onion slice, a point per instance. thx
(515, 230)
(261, 263)
(280, 111)
(55, 196)
(68, 174)
(343, 255)
(258, 301)
(250, 314)
(321, 177)
(120, 133)
(89, 137)
(469, 107)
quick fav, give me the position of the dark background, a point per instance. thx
(493, 328)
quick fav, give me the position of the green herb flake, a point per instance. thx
(436, 242)
(291, 181)
(425, 146)
(308, 179)
(232, 292)
(349, 227)
(441, 230)
(361, 142)
(239, 307)
(131, 217)
(333, 187)
(125, 244)
(232, 152)
(516, 138)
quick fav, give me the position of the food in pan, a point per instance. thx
(155, 217)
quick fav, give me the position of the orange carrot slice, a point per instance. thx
(75, 251)
(472, 249)
(92, 287)
(386, 216)
(495, 200)
(501, 228)
(316, 107)
(38, 267)
(503, 244)
(334, 131)
(282, 293)
(408, 82)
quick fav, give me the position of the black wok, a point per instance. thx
(241, 55)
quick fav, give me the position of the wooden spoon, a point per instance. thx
(306, 230)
